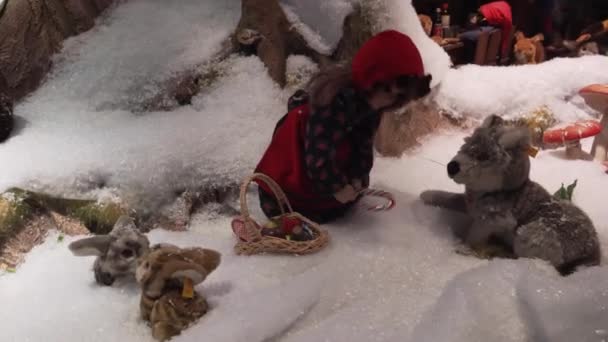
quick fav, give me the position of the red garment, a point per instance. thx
(385, 56)
(498, 13)
(284, 162)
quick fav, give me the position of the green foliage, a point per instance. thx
(17, 205)
(99, 218)
(14, 211)
(565, 193)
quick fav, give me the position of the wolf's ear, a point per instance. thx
(516, 137)
(492, 121)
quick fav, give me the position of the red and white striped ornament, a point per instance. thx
(388, 205)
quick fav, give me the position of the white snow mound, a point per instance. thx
(478, 91)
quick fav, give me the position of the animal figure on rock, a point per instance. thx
(503, 203)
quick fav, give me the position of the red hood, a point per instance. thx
(384, 57)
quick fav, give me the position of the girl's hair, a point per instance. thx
(324, 86)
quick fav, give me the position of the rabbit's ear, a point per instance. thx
(196, 274)
(163, 245)
(211, 259)
(124, 222)
(93, 246)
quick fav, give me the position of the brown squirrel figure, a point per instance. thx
(167, 276)
(529, 50)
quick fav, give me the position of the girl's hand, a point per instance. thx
(346, 195)
(583, 38)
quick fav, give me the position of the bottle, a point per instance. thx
(437, 27)
(445, 17)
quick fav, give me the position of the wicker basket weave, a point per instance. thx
(253, 242)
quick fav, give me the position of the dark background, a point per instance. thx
(528, 14)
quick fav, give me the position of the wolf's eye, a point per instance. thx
(483, 156)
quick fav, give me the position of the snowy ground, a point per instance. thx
(389, 276)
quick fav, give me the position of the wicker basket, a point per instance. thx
(251, 241)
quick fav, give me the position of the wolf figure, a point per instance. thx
(494, 166)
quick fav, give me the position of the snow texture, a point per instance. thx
(388, 276)
(299, 71)
(319, 20)
(523, 301)
(313, 38)
(478, 91)
(79, 133)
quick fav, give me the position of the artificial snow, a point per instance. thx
(299, 70)
(519, 301)
(314, 39)
(319, 21)
(478, 91)
(77, 132)
(386, 276)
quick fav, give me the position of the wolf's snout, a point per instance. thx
(453, 168)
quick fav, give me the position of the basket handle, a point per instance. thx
(274, 187)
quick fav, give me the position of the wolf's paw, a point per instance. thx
(488, 251)
(465, 250)
(428, 197)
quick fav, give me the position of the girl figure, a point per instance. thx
(321, 152)
(496, 14)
